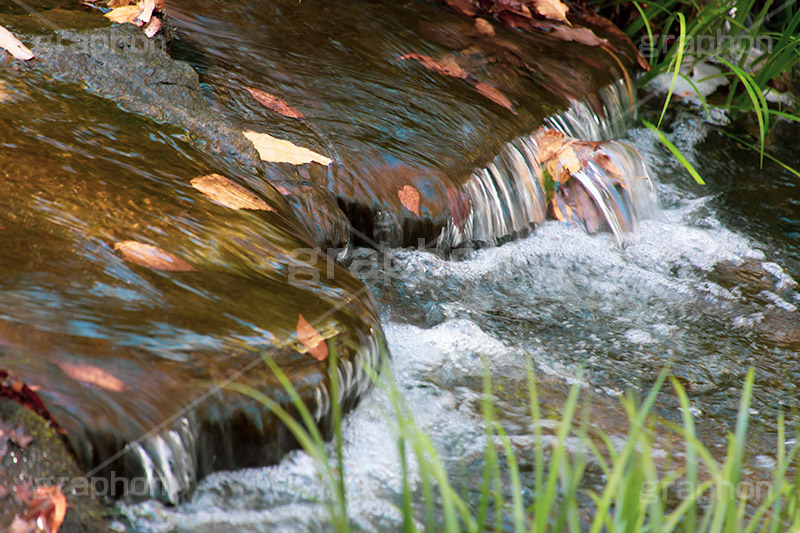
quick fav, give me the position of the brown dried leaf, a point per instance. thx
(409, 196)
(517, 7)
(552, 9)
(95, 376)
(46, 504)
(275, 104)
(223, 191)
(311, 339)
(568, 159)
(446, 66)
(484, 27)
(279, 151)
(606, 164)
(578, 35)
(152, 257)
(13, 45)
(495, 96)
(124, 14)
(463, 6)
(120, 3)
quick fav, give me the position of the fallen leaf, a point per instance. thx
(517, 7)
(484, 27)
(409, 196)
(147, 12)
(463, 6)
(578, 35)
(18, 437)
(495, 96)
(606, 164)
(279, 151)
(446, 66)
(120, 3)
(275, 104)
(94, 375)
(124, 14)
(552, 9)
(46, 504)
(14, 45)
(223, 191)
(568, 159)
(152, 257)
(153, 27)
(311, 339)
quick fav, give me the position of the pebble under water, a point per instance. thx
(708, 285)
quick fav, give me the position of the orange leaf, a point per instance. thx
(552, 9)
(124, 14)
(275, 104)
(484, 27)
(495, 96)
(311, 339)
(578, 35)
(223, 191)
(14, 45)
(152, 257)
(409, 196)
(95, 376)
(464, 6)
(446, 66)
(45, 503)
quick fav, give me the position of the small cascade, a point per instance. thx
(512, 194)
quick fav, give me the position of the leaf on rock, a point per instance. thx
(446, 66)
(311, 339)
(409, 196)
(13, 45)
(124, 14)
(495, 96)
(578, 35)
(95, 376)
(279, 151)
(153, 27)
(147, 12)
(552, 9)
(44, 504)
(223, 191)
(484, 27)
(152, 257)
(274, 103)
(18, 437)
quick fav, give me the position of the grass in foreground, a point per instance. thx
(633, 495)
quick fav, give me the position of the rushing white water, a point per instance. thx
(685, 289)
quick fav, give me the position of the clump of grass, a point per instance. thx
(633, 495)
(674, 26)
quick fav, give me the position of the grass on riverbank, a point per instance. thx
(634, 495)
(755, 44)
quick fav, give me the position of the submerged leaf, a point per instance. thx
(152, 257)
(409, 196)
(280, 151)
(275, 104)
(14, 45)
(95, 376)
(446, 66)
(495, 96)
(311, 339)
(223, 191)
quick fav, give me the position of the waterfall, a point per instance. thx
(509, 196)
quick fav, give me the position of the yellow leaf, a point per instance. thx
(552, 9)
(95, 376)
(124, 14)
(223, 191)
(568, 159)
(14, 45)
(280, 151)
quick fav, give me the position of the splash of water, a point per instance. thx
(509, 196)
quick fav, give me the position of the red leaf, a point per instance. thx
(495, 96)
(409, 196)
(446, 66)
(152, 257)
(275, 104)
(311, 339)
(95, 376)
